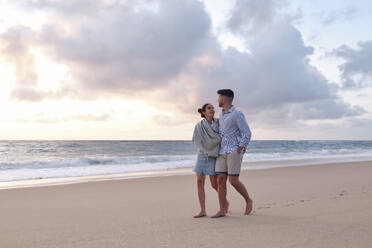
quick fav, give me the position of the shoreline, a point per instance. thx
(246, 166)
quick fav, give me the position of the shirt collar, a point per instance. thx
(230, 110)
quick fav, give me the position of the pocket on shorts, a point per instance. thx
(241, 154)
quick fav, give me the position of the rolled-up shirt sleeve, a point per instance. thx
(244, 129)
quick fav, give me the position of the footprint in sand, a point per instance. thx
(344, 192)
(266, 205)
(289, 204)
(263, 207)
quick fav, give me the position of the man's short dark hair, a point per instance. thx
(226, 92)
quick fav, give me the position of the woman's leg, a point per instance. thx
(200, 180)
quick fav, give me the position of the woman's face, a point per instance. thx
(209, 111)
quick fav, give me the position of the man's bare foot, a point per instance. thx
(199, 215)
(227, 207)
(219, 214)
(249, 207)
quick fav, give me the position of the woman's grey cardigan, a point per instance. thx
(206, 138)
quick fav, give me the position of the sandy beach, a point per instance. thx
(327, 205)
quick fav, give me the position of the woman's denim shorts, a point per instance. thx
(205, 165)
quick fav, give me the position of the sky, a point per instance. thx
(140, 69)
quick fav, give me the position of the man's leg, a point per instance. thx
(214, 184)
(221, 181)
(239, 186)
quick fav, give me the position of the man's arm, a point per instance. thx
(244, 131)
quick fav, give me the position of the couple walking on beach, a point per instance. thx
(221, 146)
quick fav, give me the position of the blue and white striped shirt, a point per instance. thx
(234, 131)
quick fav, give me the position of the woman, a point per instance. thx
(207, 140)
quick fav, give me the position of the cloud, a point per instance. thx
(128, 49)
(125, 49)
(16, 46)
(274, 82)
(15, 50)
(253, 15)
(326, 109)
(167, 120)
(43, 118)
(164, 52)
(72, 7)
(277, 74)
(356, 71)
(354, 128)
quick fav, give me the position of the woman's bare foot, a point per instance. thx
(199, 215)
(219, 214)
(249, 207)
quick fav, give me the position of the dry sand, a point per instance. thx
(310, 206)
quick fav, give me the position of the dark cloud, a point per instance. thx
(356, 71)
(278, 73)
(273, 82)
(125, 49)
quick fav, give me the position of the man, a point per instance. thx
(235, 135)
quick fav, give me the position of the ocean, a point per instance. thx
(35, 160)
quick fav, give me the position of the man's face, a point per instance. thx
(221, 100)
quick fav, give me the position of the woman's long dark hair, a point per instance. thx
(202, 109)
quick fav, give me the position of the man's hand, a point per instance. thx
(240, 149)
